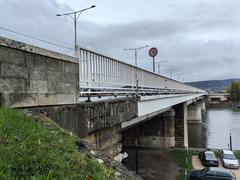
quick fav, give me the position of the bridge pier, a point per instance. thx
(155, 133)
(181, 130)
(203, 107)
(168, 129)
(195, 112)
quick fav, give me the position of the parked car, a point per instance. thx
(212, 173)
(229, 160)
(208, 158)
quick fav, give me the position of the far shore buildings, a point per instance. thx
(219, 98)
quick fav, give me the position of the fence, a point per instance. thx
(102, 74)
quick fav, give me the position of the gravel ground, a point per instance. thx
(153, 164)
(198, 165)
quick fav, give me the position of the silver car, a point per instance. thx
(229, 160)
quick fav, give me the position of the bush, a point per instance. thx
(184, 161)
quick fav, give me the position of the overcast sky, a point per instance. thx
(200, 39)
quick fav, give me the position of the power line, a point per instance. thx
(52, 43)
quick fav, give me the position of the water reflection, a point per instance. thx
(215, 129)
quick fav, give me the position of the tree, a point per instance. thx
(234, 90)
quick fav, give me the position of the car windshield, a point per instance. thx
(229, 156)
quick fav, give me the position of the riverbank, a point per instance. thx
(34, 147)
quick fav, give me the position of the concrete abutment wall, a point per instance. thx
(32, 76)
(108, 140)
(97, 122)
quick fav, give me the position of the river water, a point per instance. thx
(215, 130)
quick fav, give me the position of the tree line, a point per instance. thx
(234, 90)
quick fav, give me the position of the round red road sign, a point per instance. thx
(153, 52)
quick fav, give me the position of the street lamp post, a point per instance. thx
(158, 63)
(179, 75)
(135, 52)
(75, 17)
(171, 73)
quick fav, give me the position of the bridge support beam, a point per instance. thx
(181, 130)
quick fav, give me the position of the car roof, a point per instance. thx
(208, 152)
(219, 169)
(227, 152)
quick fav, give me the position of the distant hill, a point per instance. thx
(213, 85)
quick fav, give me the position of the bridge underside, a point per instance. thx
(165, 130)
(150, 106)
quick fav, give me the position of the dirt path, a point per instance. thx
(198, 165)
(153, 165)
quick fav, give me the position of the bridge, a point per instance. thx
(107, 102)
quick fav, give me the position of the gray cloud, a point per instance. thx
(200, 40)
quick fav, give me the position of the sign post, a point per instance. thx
(153, 52)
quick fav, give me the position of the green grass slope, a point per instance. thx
(36, 148)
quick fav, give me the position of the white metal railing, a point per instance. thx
(102, 74)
